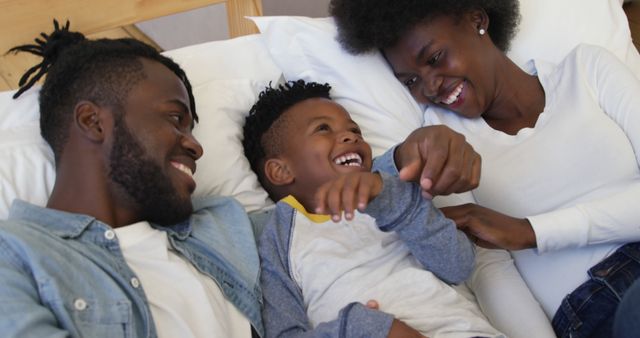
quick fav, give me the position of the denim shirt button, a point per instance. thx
(80, 304)
(135, 282)
(109, 234)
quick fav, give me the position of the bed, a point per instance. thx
(227, 76)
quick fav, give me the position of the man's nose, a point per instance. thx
(192, 145)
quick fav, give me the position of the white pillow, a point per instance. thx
(225, 75)
(550, 29)
(306, 48)
(26, 161)
(223, 169)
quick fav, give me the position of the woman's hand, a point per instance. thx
(491, 229)
(440, 160)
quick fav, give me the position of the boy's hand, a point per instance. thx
(440, 160)
(346, 193)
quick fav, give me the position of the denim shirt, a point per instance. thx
(64, 274)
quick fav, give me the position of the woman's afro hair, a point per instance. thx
(368, 25)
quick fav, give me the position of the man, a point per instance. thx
(115, 252)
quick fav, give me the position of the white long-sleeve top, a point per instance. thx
(575, 175)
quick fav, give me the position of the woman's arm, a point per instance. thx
(610, 218)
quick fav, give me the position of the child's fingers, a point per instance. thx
(334, 199)
(364, 192)
(349, 189)
(373, 304)
(321, 199)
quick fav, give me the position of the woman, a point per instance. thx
(560, 145)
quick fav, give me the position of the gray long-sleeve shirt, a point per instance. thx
(297, 259)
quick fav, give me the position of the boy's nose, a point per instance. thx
(348, 137)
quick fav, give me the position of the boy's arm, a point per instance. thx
(284, 312)
(432, 238)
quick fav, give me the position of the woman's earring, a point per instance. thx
(481, 31)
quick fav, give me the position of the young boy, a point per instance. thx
(392, 246)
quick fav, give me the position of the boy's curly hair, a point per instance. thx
(258, 142)
(367, 25)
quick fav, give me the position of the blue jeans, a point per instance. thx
(589, 310)
(627, 320)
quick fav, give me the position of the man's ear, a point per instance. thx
(277, 172)
(88, 118)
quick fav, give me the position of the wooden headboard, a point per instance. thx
(22, 20)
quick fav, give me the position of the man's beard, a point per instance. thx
(144, 181)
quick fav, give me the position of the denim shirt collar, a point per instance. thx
(71, 225)
(60, 223)
(181, 230)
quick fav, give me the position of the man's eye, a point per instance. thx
(177, 117)
(411, 81)
(434, 58)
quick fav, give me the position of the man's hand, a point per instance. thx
(400, 329)
(492, 229)
(440, 160)
(346, 193)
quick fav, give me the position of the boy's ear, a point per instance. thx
(88, 119)
(277, 172)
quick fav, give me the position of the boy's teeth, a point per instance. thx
(350, 160)
(454, 95)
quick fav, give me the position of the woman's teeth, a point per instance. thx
(454, 95)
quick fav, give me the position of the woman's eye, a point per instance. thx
(434, 58)
(410, 82)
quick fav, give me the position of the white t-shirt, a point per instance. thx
(575, 175)
(335, 264)
(183, 301)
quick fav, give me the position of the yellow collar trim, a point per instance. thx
(293, 202)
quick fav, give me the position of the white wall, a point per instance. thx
(210, 23)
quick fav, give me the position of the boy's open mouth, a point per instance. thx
(349, 160)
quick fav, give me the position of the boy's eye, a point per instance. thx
(323, 127)
(356, 131)
(434, 58)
